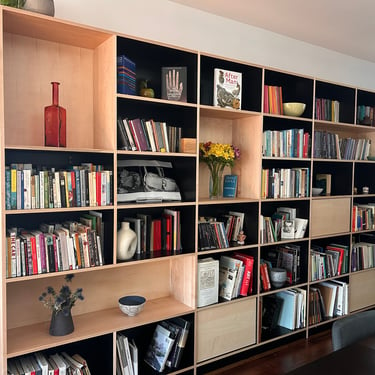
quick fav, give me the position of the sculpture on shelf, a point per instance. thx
(126, 242)
(241, 238)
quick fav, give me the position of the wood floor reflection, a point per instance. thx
(283, 359)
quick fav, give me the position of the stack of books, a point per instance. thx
(126, 76)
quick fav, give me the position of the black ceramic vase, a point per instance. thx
(61, 323)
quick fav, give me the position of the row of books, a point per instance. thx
(328, 145)
(167, 345)
(27, 187)
(363, 256)
(219, 232)
(327, 299)
(147, 135)
(365, 115)
(327, 110)
(55, 247)
(127, 356)
(273, 100)
(126, 75)
(291, 143)
(155, 234)
(286, 309)
(363, 216)
(235, 276)
(285, 183)
(329, 261)
(283, 224)
(287, 257)
(40, 363)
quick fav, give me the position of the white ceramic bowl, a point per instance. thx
(131, 305)
(278, 277)
(316, 191)
(294, 109)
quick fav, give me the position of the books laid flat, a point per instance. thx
(227, 88)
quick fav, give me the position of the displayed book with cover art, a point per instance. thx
(145, 181)
(230, 186)
(227, 88)
(174, 83)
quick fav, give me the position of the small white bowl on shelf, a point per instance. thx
(294, 109)
(131, 305)
(316, 191)
(278, 277)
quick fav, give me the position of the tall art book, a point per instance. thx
(227, 88)
(174, 83)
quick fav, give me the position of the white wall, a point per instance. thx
(165, 21)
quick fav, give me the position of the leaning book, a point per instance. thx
(227, 88)
(159, 348)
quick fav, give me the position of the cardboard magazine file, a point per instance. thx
(146, 181)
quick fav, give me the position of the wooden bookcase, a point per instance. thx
(38, 49)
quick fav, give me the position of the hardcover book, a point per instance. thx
(126, 75)
(208, 281)
(174, 83)
(230, 186)
(227, 88)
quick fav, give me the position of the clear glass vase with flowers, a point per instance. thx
(217, 156)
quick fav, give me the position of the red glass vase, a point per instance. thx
(55, 121)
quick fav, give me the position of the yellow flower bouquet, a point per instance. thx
(217, 156)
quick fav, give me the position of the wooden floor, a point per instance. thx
(282, 359)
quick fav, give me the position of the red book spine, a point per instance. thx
(34, 255)
(265, 277)
(98, 188)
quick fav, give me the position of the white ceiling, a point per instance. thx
(346, 26)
